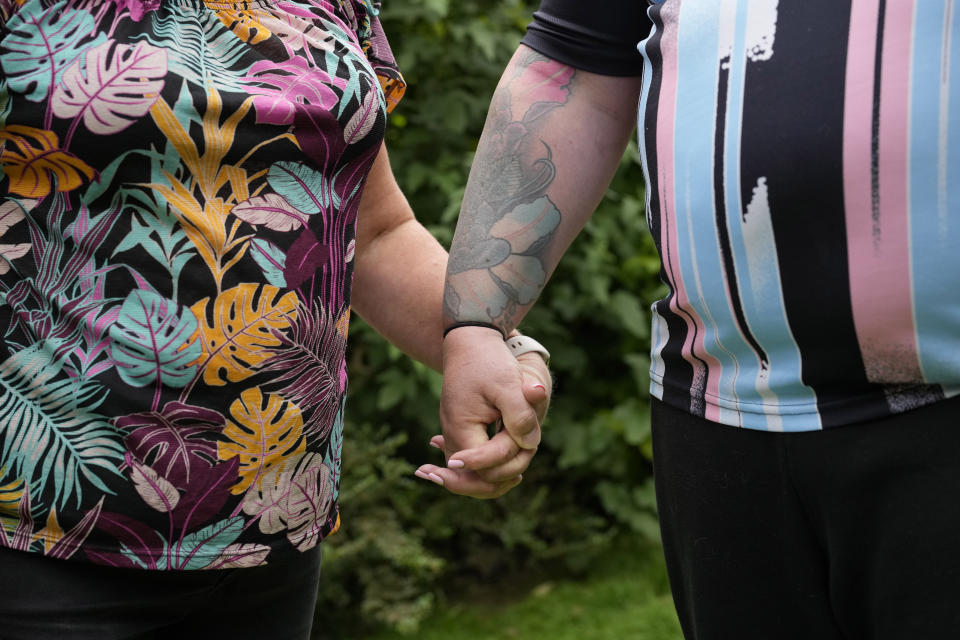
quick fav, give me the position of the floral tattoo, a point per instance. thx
(507, 220)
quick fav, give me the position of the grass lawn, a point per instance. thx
(625, 597)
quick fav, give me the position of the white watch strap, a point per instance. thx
(519, 345)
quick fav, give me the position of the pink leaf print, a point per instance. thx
(111, 92)
(361, 123)
(10, 251)
(272, 211)
(542, 82)
(156, 491)
(279, 89)
(137, 8)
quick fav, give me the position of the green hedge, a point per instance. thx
(404, 543)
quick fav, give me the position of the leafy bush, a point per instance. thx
(405, 543)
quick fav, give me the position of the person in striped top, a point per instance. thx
(802, 164)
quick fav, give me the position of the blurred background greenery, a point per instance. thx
(580, 534)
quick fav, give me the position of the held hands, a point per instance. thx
(483, 383)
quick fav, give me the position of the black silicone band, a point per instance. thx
(486, 325)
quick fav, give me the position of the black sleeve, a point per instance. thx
(599, 36)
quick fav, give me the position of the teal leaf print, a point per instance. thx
(271, 259)
(41, 43)
(305, 189)
(51, 432)
(198, 549)
(201, 49)
(151, 344)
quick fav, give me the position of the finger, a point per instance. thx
(510, 469)
(465, 483)
(500, 449)
(520, 421)
(437, 442)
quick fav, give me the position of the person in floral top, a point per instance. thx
(190, 188)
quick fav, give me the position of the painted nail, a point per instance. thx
(434, 445)
(456, 464)
(539, 386)
(421, 474)
(434, 477)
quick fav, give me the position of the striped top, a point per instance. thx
(803, 163)
(803, 171)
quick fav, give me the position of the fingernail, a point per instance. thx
(436, 479)
(539, 386)
(434, 445)
(456, 464)
(421, 474)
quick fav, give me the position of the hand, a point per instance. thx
(484, 383)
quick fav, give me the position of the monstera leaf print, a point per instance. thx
(51, 432)
(264, 437)
(241, 326)
(297, 501)
(152, 343)
(40, 43)
(36, 159)
(282, 88)
(173, 440)
(116, 87)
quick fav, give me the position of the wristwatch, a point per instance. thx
(519, 345)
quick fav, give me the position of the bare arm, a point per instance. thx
(398, 276)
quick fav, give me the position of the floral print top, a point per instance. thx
(177, 210)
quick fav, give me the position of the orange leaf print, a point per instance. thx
(36, 159)
(245, 24)
(265, 437)
(241, 332)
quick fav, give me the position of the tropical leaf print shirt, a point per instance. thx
(181, 185)
(803, 187)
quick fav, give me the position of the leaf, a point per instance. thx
(271, 260)
(304, 257)
(272, 211)
(10, 252)
(40, 42)
(175, 439)
(361, 122)
(197, 549)
(199, 48)
(36, 159)
(66, 545)
(112, 92)
(296, 500)
(12, 212)
(306, 189)
(264, 437)
(140, 545)
(309, 364)
(50, 433)
(205, 495)
(241, 556)
(280, 88)
(239, 329)
(155, 490)
(151, 344)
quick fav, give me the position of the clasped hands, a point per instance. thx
(483, 383)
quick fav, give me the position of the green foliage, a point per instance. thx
(406, 544)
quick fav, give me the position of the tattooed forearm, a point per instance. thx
(497, 262)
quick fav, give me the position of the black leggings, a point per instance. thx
(848, 533)
(43, 598)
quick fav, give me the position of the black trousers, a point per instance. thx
(47, 599)
(848, 533)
